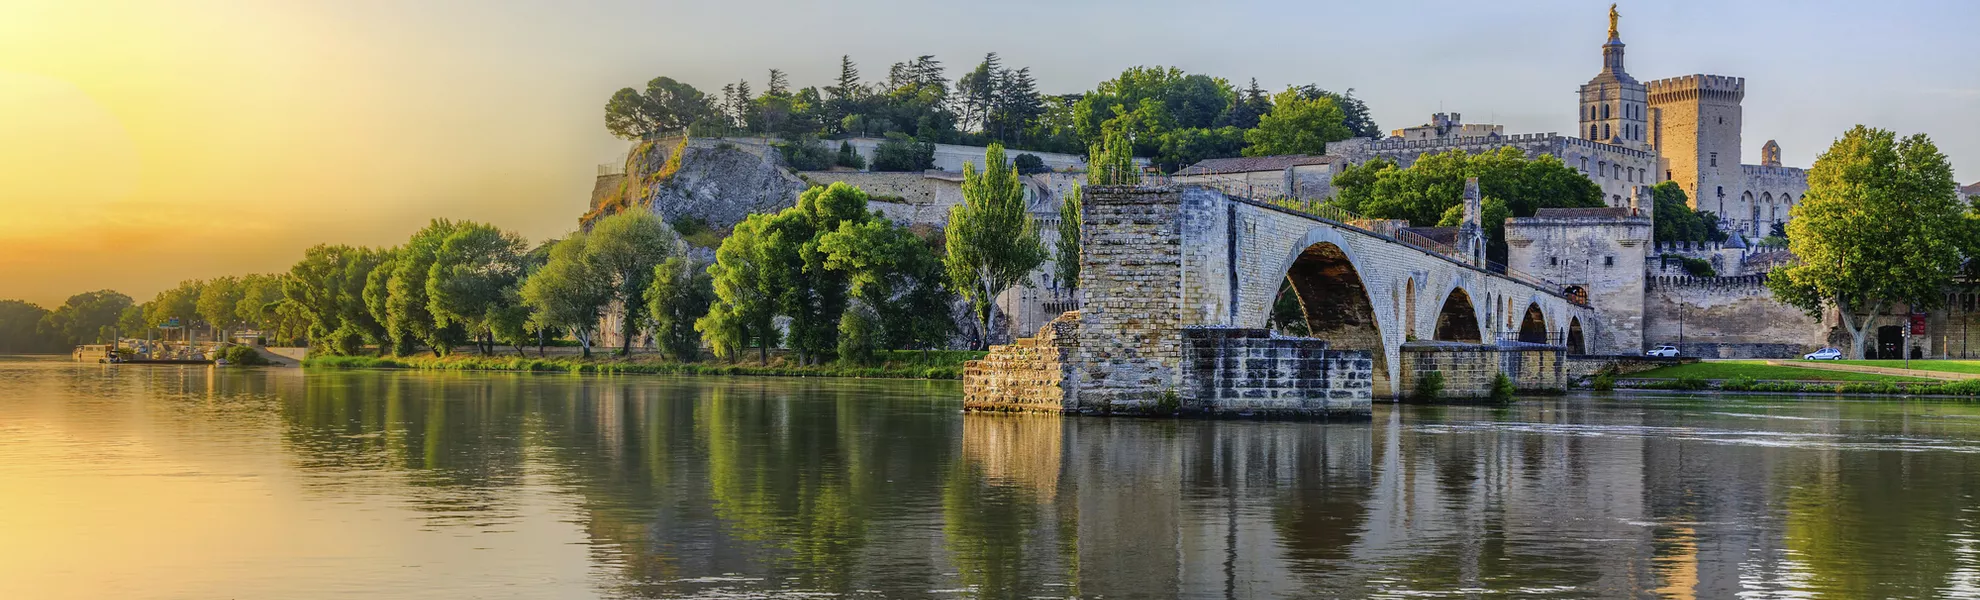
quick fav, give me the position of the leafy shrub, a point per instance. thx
(244, 356)
(1741, 385)
(1502, 388)
(902, 153)
(1429, 386)
(1696, 267)
(1690, 383)
(806, 154)
(1029, 164)
(849, 158)
(1604, 381)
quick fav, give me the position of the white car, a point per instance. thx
(1823, 354)
(1664, 350)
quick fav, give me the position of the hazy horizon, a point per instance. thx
(148, 143)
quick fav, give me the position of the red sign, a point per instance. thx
(1917, 324)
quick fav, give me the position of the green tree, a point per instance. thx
(1297, 124)
(992, 240)
(181, 302)
(409, 317)
(1112, 163)
(21, 330)
(1423, 193)
(1071, 220)
(89, 317)
(896, 276)
(568, 293)
(1676, 221)
(217, 302)
(261, 296)
(680, 294)
(744, 305)
(667, 107)
(903, 153)
(807, 291)
(1882, 225)
(624, 248)
(474, 282)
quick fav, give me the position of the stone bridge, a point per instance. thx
(1180, 283)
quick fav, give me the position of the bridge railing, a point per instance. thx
(1395, 229)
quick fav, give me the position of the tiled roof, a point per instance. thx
(1251, 164)
(1971, 190)
(1582, 213)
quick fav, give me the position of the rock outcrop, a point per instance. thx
(710, 180)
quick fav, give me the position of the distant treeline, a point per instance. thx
(1173, 117)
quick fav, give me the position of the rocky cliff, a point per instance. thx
(716, 182)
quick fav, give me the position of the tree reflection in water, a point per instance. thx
(687, 486)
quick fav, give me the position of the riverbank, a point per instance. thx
(1787, 376)
(900, 364)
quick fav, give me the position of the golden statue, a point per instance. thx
(1612, 21)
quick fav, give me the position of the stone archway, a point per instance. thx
(1576, 346)
(1337, 306)
(1457, 321)
(1533, 326)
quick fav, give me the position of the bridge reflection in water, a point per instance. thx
(718, 486)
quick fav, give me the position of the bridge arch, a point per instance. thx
(1458, 320)
(1576, 345)
(1335, 295)
(1533, 325)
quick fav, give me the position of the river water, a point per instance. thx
(178, 482)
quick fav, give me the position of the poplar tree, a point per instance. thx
(1070, 221)
(992, 240)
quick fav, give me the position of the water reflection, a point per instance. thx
(723, 487)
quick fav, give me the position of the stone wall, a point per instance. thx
(1470, 369)
(1583, 367)
(1034, 374)
(1251, 371)
(1727, 317)
(1131, 266)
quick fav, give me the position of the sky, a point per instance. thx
(143, 143)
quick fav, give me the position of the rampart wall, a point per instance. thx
(1727, 317)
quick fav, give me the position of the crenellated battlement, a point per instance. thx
(1489, 142)
(1687, 87)
(1756, 281)
(1767, 171)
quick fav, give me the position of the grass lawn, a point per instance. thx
(1944, 366)
(1727, 369)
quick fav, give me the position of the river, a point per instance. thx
(192, 482)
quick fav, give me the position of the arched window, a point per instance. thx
(1584, 165)
(1591, 132)
(1602, 169)
(1605, 131)
(1605, 111)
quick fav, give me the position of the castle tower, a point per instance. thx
(1696, 119)
(1770, 154)
(1614, 107)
